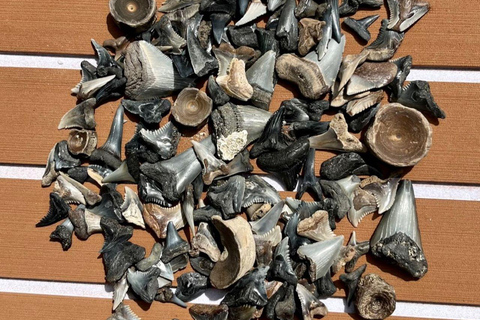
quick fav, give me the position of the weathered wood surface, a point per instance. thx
(448, 36)
(26, 253)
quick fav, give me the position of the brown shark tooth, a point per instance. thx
(192, 107)
(354, 107)
(370, 76)
(317, 227)
(208, 312)
(212, 166)
(400, 136)
(384, 191)
(158, 217)
(235, 82)
(404, 14)
(91, 197)
(386, 44)
(374, 298)
(68, 191)
(117, 45)
(345, 255)
(363, 203)
(310, 33)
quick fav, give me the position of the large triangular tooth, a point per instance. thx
(113, 145)
(132, 208)
(120, 289)
(261, 73)
(255, 10)
(212, 166)
(269, 220)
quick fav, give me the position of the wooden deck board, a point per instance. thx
(26, 252)
(34, 101)
(446, 37)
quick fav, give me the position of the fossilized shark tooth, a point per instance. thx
(88, 89)
(208, 312)
(308, 128)
(174, 244)
(110, 204)
(281, 267)
(243, 36)
(235, 82)
(202, 264)
(110, 152)
(228, 196)
(268, 221)
(295, 240)
(404, 65)
(261, 77)
(132, 208)
(192, 107)
(354, 107)
(337, 137)
(105, 62)
(325, 286)
(236, 126)
(158, 217)
(134, 15)
(351, 281)
(167, 36)
(63, 234)
(371, 75)
(174, 174)
(295, 111)
(82, 116)
(237, 239)
(346, 254)
(123, 312)
(255, 10)
(317, 227)
(249, 290)
(150, 73)
(287, 29)
(212, 166)
(63, 158)
(144, 284)
(386, 44)
(404, 14)
(336, 31)
(188, 204)
(92, 222)
(342, 192)
(239, 164)
(323, 44)
(174, 5)
(180, 17)
(267, 41)
(273, 299)
(313, 109)
(362, 204)
(384, 191)
(224, 54)
(89, 72)
(219, 97)
(349, 65)
(190, 285)
(312, 308)
(117, 46)
(310, 33)
(165, 294)
(152, 259)
(120, 175)
(257, 190)
(219, 22)
(397, 237)
(97, 173)
(360, 26)
(120, 289)
(286, 163)
(373, 290)
(346, 164)
(350, 7)
(68, 192)
(362, 119)
(82, 142)
(395, 127)
(150, 111)
(77, 217)
(149, 192)
(361, 248)
(286, 307)
(310, 181)
(163, 141)
(341, 98)
(50, 173)
(320, 255)
(202, 62)
(90, 196)
(417, 95)
(273, 5)
(204, 242)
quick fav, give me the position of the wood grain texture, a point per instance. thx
(42, 307)
(37, 99)
(446, 37)
(26, 253)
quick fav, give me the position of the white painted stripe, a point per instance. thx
(73, 63)
(212, 296)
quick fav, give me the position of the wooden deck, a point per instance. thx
(34, 100)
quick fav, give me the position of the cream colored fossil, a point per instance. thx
(192, 107)
(235, 82)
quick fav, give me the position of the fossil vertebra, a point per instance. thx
(374, 298)
(136, 15)
(82, 142)
(192, 107)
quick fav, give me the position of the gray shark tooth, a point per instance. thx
(152, 259)
(261, 77)
(90, 196)
(218, 95)
(88, 89)
(336, 31)
(273, 138)
(337, 137)
(150, 73)
(120, 289)
(290, 231)
(323, 44)
(235, 127)
(312, 308)
(404, 14)
(257, 190)
(68, 191)
(349, 65)
(417, 95)
(361, 248)
(240, 164)
(63, 158)
(163, 141)
(132, 208)
(310, 181)
(249, 290)
(104, 59)
(281, 267)
(212, 166)
(151, 111)
(346, 164)
(268, 221)
(351, 281)
(219, 22)
(88, 73)
(255, 10)
(371, 75)
(174, 244)
(190, 285)
(149, 192)
(386, 44)
(188, 205)
(360, 26)
(287, 29)
(50, 173)
(166, 271)
(384, 191)
(208, 312)
(273, 5)
(174, 174)
(317, 227)
(97, 173)
(63, 234)
(167, 36)
(202, 62)
(144, 284)
(325, 286)
(204, 242)
(286, 307)
(158, 217)
(82, 116)
(357, 106)
(321, 255)
(123, 312)
(363, 203)
(404, 65)
(333, 190)
(120, 175)
(228, 196)
(397, 237)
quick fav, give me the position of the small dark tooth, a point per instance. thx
(282, 271)
(182, 64)
(57, 211)
(228, 196)
(294, 240)
(360, 27)
(287, 29)
(243, 36)
(346, 164)
(310, 181)
(248, 290)
(267, 41)
(308, 128)
(218, 6)
(219, 97)
(334, 191)
(113, 90)
(63, 158)
(219, 22)
(79, 174)
(404, 65)
(190, 285)
(205, 214)
(325, 286)
(351, 281)
(202, 264)
(63, 234)
(150, 111)
(362, 119)
(417, 95)
(144, 284)
(314, 109)
(361, 248)
(174, 244)
(269, 310)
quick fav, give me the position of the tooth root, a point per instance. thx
(89, 88)
(113, 145)
(119, 175)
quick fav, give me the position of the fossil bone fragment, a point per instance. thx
(374, 298)
(192, 107)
